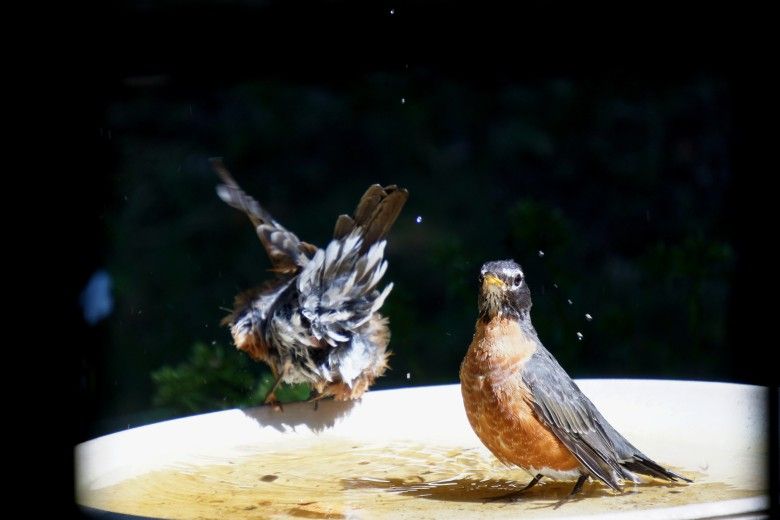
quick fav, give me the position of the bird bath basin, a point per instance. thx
(410, 453)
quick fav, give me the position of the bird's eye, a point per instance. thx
(518, 279)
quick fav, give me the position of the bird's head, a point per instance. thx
(503, 291)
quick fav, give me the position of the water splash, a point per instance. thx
(408, 375)
(392, 11)
(541, 254)
(569, 301)
(589, 317)
(403, 101)
(418, 219)
(579, 336)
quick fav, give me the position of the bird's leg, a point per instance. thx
(516, 494)
(533, 482)
(316, 400)
(576, 490)
(270, 398)
(319, 397)
(578, 485)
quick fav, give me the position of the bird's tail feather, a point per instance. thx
(648, 467)
(376, 213)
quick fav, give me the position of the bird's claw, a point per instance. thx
(514, 495)
(271, 401)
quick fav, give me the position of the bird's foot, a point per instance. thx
(575, 491)
(315, 400)
(514, 495)
(271, 401)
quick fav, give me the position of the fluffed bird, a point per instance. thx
(318, 321)
(526, 409)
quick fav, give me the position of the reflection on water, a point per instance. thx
(340, 479)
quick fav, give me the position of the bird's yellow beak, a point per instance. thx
(492, 280)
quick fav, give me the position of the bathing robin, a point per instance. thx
(317, 322)
(523, 405)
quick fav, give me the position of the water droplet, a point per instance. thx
(403, 101)
(555, 285)
(589, 317)
(408, 375)
(125, 197)
(579, 336)
(418, 219)
(541, 254)
(392, 11)
(569, 302)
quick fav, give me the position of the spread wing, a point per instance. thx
(562, 407)
(337, 286)
(287, 253)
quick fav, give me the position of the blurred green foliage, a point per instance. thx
(214, 378)
(622, 185)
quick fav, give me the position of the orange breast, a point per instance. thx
(498, 404)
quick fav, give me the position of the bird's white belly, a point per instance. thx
(554, 473)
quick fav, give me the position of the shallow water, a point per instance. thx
(339, 478)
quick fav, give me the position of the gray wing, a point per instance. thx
(286, 251)
(577, 423)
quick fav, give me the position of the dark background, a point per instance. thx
(624, 186)
(632, 175)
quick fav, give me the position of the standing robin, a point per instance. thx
(525, 408)
(318, 320)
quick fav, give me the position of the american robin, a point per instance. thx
(317, 322)
(525, 408)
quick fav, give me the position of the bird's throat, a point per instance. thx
(501, 341)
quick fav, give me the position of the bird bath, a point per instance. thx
(410, 453)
